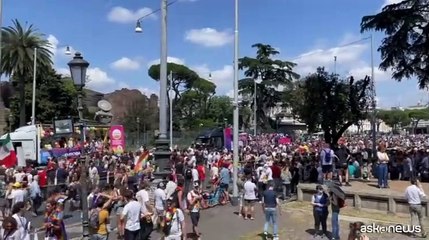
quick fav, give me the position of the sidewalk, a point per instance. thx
(294, 224)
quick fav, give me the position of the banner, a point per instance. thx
(117, 138)
(285, 141)
(65, 152)
(227, 138)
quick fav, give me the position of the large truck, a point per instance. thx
(28, 138)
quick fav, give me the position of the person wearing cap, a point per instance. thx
(320, 202)
(174, 227)
(17, 194)
(194, 199)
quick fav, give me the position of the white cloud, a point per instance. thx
(99, 80)
(223, 78)
(148, 91)
(169, 59)
(379, 75)
(125, 63)
(209, 37)
(123, 15)
(389, 2)
(351, 59)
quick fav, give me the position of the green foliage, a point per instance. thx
(18, 44)
(333, 104)
(183, 77)
(275, 73)
(405, 48)
(400, 118)
(394, 118)
(194, 103)
(55, 97)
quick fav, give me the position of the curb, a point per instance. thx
(349, 218)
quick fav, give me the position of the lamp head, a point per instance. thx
(259, 79)
(138, 28)
(210, 76)
(67, 52)
(78, 67)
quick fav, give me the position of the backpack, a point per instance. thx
(188, 173)
(328, 157)
(94, 219)
(175, 197)
(341, 203)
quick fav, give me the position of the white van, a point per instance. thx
(28, 138)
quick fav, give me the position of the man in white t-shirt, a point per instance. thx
(130, 218)
(250, 190)
(159, 203)
(175, 220)
(142, 197)
(195, 175)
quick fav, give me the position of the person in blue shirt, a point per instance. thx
(225, 179)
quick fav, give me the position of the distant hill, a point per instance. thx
(122, 101)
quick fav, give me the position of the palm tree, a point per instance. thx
(18, 44)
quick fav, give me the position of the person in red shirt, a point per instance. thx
(201, 174)
(43, 181)
(277, 172)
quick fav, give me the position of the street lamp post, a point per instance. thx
(163, 152)
(255, 104)
(78, 67)
(33, 100)
(234, 199)
(138, 131)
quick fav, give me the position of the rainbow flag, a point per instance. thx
(141, 162)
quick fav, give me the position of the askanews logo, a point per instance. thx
(398, 228)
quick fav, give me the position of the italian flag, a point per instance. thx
(7, 153)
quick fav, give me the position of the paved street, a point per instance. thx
(223, 223)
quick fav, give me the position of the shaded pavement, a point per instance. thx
(224, 223)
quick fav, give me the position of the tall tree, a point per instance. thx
(276, 75)
(183, 77)
(55, 97)
(405, 48)
(323, 100)
(18, 44)
(394, 118)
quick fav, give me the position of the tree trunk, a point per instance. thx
(22, 113)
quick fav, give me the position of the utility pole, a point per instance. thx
(374, 104)
(234, 199)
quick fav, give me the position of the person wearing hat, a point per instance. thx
(174, 227)
(194, 198)
(320, 202)
(17, 194)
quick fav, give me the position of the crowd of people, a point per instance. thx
(201, 177)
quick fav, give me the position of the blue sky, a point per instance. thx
(200, 35)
